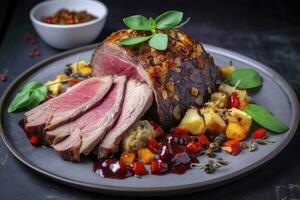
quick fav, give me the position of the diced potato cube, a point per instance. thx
(226, 71)
(61, 77)
(236, 131)
(220, 99)
(237, 116)
(213, 120)
(226, 88)
(145, 155)
(193, 122)
(128, 157)
(55, 87)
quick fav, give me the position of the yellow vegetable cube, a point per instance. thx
(213, 120)
(226, 71)
(81, 67)
(237, 116)
(236, 131)
(193, 122)
(54, 87)
(220, 99)
(61, 77)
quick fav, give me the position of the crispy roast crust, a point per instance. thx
(181, 76)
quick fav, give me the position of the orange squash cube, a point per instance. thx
(145, 155)
(128, 157)
(236, 131)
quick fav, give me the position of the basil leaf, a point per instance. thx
(159, 41)
(245, 78)
(28, 97)
(40, 93)
(134, 40)
(152, 25)
(137, 22)
(263, 117)
(168, 19)
(31, 85)
(182, 23)
(32, 102)
(20, 101)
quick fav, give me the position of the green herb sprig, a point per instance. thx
(244, 79)
(265, 118)
(32, 94)
(165, 21)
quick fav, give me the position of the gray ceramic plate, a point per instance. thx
(275, 94)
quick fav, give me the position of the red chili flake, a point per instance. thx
(34, 52)
(193, 147)
(139, 168)
(234, 101)
(259, 134)
(180, 131)
(30, 38)
(73, 82)
(34, 140)
(3, 77)
(232, 147)
(202, 139)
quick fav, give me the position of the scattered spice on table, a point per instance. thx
(3, 77)
(34, 52)
(30, 38)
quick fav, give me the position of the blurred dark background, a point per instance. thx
(268, 31)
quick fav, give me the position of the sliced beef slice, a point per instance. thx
(138, 99)
(84, 133)
(181, 76)
(74, 102)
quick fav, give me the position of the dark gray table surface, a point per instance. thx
(267, 31)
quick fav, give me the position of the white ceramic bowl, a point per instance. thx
(68, 36)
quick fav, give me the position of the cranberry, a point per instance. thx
(113, 169)
(177, 139)
(159, 167)
(153, 145)
(165, 153)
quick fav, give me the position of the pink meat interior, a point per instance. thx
(110, 64)
(100, 111)
(79, 96)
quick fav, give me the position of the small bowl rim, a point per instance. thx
(94, 21)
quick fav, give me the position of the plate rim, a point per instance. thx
(161, 190)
